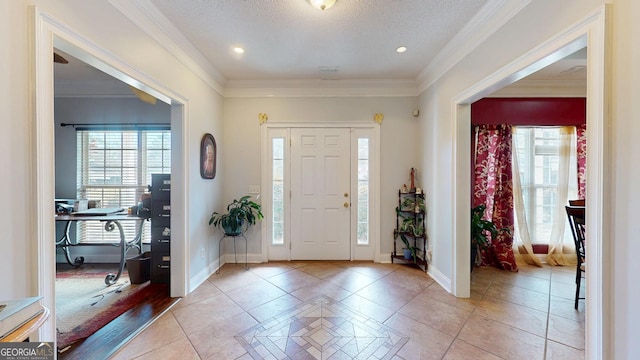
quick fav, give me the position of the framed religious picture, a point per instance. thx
(208, 157)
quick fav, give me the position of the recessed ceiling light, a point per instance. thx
(238, 50)
(401, 49)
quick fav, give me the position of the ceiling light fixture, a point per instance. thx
(401, 49)
(238, 50)
(322, 4)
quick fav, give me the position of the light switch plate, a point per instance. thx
(254, 189)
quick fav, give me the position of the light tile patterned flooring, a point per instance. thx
(362, 310)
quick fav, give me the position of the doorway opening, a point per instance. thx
(50, 35)
(589, 32)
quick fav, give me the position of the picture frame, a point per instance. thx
(208, 153)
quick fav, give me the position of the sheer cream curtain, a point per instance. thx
(560, 253)
(521, 238)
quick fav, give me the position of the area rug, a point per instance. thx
(84, 304)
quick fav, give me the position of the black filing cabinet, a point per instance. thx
(160, 228)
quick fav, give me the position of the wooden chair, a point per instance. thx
(578, 202)
(576, 217)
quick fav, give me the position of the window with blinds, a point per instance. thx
(114, 168)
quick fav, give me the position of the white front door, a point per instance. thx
(320, 194)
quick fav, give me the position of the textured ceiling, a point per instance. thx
(290, 39)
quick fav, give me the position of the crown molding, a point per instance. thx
(544, 88)
(150, 20)
(320, 88)
(490, 18)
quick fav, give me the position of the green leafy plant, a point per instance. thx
(407, 245)
(408, 224)
(410, 204)
(241, 214)
(482, 231)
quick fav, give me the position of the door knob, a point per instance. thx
(346, 204)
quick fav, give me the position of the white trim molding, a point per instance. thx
(490, 18)
(544, 88)
(150, 20)
(320, 88)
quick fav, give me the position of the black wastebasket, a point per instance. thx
(139, 268)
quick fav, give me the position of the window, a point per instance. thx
(363, 191)
(538, 151)
(114, 168)
(277, 196)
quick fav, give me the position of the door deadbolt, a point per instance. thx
(346, 194)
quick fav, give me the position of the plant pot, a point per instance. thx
(231, 230)
(139, 268)
(407, 254)
(473, 258)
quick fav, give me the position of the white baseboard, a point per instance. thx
(92, 258)
(440, 278)
(202, 276)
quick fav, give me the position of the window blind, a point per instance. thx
(114, 168)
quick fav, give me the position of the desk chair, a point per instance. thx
(576, 217)
(578, 202)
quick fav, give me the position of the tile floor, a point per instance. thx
(358, 310)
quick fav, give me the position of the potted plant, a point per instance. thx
(408, 226)
(413, 205)
(482, 231)
(241, 214)
(409, 252)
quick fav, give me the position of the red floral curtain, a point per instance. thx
(493, 186)
(581, 148)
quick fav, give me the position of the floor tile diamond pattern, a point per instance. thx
(321, 328)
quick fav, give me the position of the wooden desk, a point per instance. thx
(111, 223)
(31, 326)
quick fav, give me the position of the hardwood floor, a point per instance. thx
(106, 341)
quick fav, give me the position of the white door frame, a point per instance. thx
(358, 252)
(50, 33)
(591, 31)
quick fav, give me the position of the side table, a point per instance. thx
(235, 254)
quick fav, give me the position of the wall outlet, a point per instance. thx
(202, 253)
(429, 255)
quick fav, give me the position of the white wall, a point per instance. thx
(398, 137)
(17, 259)
(624, 191)
(111, 33)
(540, 20)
